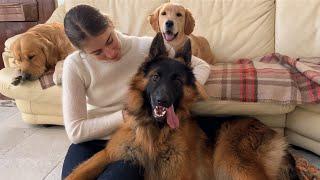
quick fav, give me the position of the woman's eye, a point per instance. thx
(97, 53)
(110, 41)
(163, 13)
(155, 77)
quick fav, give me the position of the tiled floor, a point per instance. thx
(28, 151)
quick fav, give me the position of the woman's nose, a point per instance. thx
(110, 53)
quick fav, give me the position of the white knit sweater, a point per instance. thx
(94, 91)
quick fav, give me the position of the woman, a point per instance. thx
(95, 82)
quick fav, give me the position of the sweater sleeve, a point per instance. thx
(201, 69)
(78, 127)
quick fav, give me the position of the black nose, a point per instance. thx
(169, 24)
(162, 100)
(25, 76)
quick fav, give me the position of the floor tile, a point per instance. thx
(11, 137)
(36, 156)
(6, 112)
(55, 174)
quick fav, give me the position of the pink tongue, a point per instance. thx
(169, 37)
(172, 118)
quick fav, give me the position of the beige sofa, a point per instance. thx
(234, 28)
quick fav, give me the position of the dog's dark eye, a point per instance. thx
(179, 14)
(179, 81)
(155, 77)
(163, 13)
(31, 57)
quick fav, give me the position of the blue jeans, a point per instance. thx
(119, 170)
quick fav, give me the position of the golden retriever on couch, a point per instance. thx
(39, 49)
(176, 23)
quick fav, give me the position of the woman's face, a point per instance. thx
(105, 46)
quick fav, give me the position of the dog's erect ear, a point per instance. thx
(50, 51)
(154, 19)
(157, 47)
(189, 23)
(185, 53)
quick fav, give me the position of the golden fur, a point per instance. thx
(185, 25)
(39, 49)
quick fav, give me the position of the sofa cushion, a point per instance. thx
(274, 121)
(303, 141)
(214, 107)
(311, 107)
(297, 28)
(30, 91)
(235, 29)
(130, 17)
(305, 123)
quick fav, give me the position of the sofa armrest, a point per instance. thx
(29, 91)
(57, 15)
(7, 54)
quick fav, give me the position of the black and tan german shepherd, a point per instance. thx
(160, 135)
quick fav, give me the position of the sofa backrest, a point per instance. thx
(129, 16)
(234, 28)
(297, 28)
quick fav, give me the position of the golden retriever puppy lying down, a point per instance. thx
(176, 23)
(38, 50)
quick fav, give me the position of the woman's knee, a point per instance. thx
(78, 153)
(122, 170)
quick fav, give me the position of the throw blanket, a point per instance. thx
(52, 77)
(46, 80)
(274, 78)
(307, 163)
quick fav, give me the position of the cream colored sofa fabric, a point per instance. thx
(311, 107)
(130, 17)
(297, 28)
(28, 91)
(303, 141)
(212, 107)
(37, 106)
(234, 28)
(306, 124)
